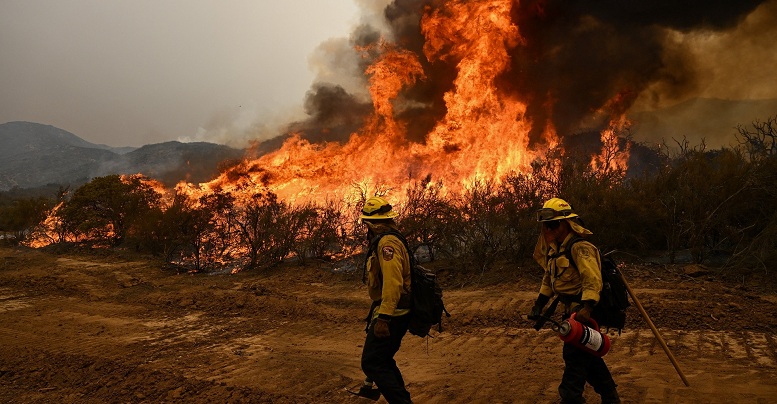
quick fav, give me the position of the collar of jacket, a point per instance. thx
(554, 248)
(380, 228)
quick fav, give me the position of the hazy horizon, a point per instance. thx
(142, 72)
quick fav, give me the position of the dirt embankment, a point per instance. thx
(101, 328)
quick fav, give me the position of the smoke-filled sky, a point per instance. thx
(134, 72)
(142, 71)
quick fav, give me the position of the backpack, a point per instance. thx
(426, 305)
(613, 299)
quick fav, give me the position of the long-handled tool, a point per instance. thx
(653, 328)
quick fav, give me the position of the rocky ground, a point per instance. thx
(103, 327)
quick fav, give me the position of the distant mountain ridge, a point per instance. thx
(18, 137)
(34, 155)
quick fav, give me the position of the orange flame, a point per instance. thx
(613, 158)
(484, 133)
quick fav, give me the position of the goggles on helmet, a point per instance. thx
(383, 209)
(546, 214)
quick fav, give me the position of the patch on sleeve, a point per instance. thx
(388, 253)
(585, 252)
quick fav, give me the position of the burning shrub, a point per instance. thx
(106, 207)
(198, 231)
(19, 216)
(323, 231)
(267, 228)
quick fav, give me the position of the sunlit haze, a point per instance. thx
(128, 73)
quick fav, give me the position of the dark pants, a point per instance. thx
(581, 367)
(378, 361)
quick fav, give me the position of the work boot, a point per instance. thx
(367, 390)
(611, 397)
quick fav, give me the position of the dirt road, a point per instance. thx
(102, 328)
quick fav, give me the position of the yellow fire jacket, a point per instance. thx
(561, 277)
(388, 277)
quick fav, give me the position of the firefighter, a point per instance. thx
(577, 286)
(388, 282)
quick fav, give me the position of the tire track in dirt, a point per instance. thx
(297, 360)
(451, 357)
(275, 342)
(97, 334)
(159, 350)
(513, 351)
(10, 301)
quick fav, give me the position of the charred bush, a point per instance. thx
(267, 228)
(427, 217)
(106, 207)
(482, 235)
(322, 229)
(522, 195)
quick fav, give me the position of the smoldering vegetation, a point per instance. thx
(576, 65)
(706, 206)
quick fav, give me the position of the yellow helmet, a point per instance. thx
(377, 208)
(555, 209)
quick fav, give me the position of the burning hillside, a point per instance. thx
(471, 114)
(484, 133)
(466, 90)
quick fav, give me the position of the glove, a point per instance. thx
(583, 311)
(381, 328)
(539, 304)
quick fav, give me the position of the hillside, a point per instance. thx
(34, 155)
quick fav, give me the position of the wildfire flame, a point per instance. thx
(484, 132)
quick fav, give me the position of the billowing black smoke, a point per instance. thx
(334, 114)
(578, 55)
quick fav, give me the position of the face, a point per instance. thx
(555, 231)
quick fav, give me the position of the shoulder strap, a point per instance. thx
(566, 253)
(568, 250)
